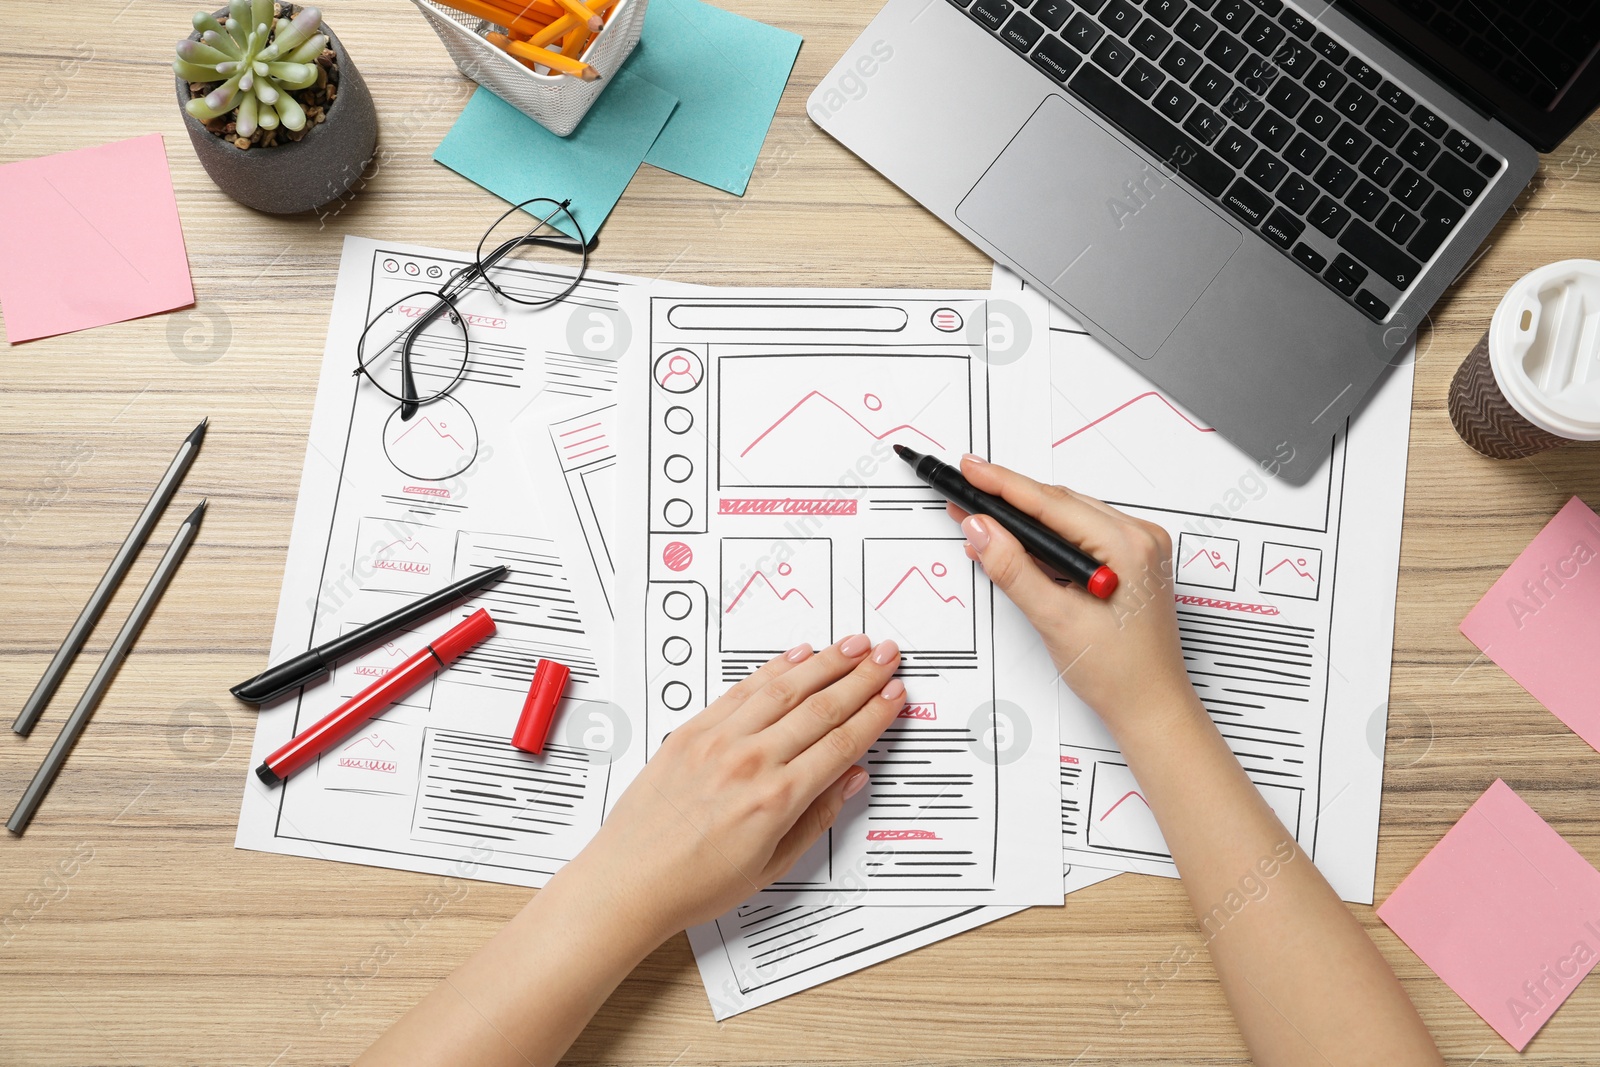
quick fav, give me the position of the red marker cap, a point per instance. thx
(468, 632)
(539, 710)
(1103, 582)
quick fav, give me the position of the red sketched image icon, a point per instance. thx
(774, 601)
(870, 402)
(371, 752)
(440, 442)
(783, 571)
(679, 371)
(1291, 570)
(920, 592)
(1211, 562)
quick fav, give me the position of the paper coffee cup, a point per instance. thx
(1533, 381)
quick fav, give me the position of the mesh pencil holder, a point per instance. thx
(557, 102)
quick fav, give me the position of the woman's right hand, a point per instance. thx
(1120, 655)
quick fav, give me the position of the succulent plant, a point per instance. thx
(259, 59)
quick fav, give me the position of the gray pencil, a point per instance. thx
(103, 592)
(142, 609)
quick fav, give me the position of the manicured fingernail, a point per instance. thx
(797, 653)
(977, 534)
(854, 646)
(885, 654)
(853, 784)
(976, 461)
(894, 690)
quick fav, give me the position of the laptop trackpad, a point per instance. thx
(1110, 233)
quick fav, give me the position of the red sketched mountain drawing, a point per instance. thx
(926, 581)
(439, 433)
(1128, 404)
(373, 741)
(819, 429)
(768, 583)
(1125, 796)
(1292, 565)
(1211, 557)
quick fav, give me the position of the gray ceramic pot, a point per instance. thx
(298, 175)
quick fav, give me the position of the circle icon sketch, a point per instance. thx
(947, 319)
(677, 512)
(677, 556)
(679, 371)
(677, 605)
(677, 468)
(678, 420)
(676, 696)
(440, 441)
(676, 651)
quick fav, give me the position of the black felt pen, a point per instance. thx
(1067, 559)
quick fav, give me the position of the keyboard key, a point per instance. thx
(961, 3)
(1488, 166)
(1458, 179)
(1334, 177)
(990, 13)
(1150, 38)
(1204, 124)
(1328, 216)
(1349, 143)
(1056, 59)
(1181, 62)
(1274, 130)
(1297, 194)
(1212, 85)
(1232, 15)
(1396, 97)
(1196, 28)
(1309, 258)
(1113, 55)
(1357, 68)
(1354, 104)
(1165, 12)
(1225, 51)
(1325, 81)
(1143, 78)
(1241, 107)
(1266, 170)
(1330, 48)
(1381, 167)
(1155, 133)
(1430, 122)
(1271, 7)
(1305, 153)
(1263, 35)
(1417, 150)
(1386, 127)
(1366, 200)
(1461, 145)
(1371, 305)
(1053, 13)
(1397, 224)
(1247, 202)
(1412, 190)
(1174, 101)
(1439, 217)
(1082, 33)
(1346, 275)
(1257, 74)
(1282, 228)
(1443, 210)
(1092, 6)
(1297, 24)
(1287, 97)
(1294, 58)
(1120, 17)
(1235, 147)
(1318, 119)
(1022, 33)
(1375, 251)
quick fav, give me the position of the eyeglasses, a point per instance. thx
(432, 342)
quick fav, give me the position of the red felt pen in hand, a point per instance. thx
(341, 722)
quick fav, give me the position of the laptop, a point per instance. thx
(1252, 202)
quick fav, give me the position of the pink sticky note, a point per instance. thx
(1541, 620)
(89, 237)
(1505, 911)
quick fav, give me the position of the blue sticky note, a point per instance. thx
(727, 73)
(498, 147)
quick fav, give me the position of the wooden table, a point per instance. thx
(132, 932)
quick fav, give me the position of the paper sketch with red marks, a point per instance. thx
(758, 576)
(822, 424)
(1149, 394)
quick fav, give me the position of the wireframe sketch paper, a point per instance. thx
(391, 509)
(1505, 911)
(1540, 621)
(766, 508)
(1285, 605)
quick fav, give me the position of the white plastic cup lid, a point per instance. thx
(1544, 347)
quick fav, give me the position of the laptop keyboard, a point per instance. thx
(1286, 128)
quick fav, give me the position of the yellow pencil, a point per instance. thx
(574, 42)
(499, 16)
(583, 12)
(502, 42)
(559, 28)
(554, 60)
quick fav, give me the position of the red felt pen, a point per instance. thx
(341, 722)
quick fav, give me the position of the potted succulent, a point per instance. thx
(275, 109)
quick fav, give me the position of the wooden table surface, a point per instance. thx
(132, 932)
